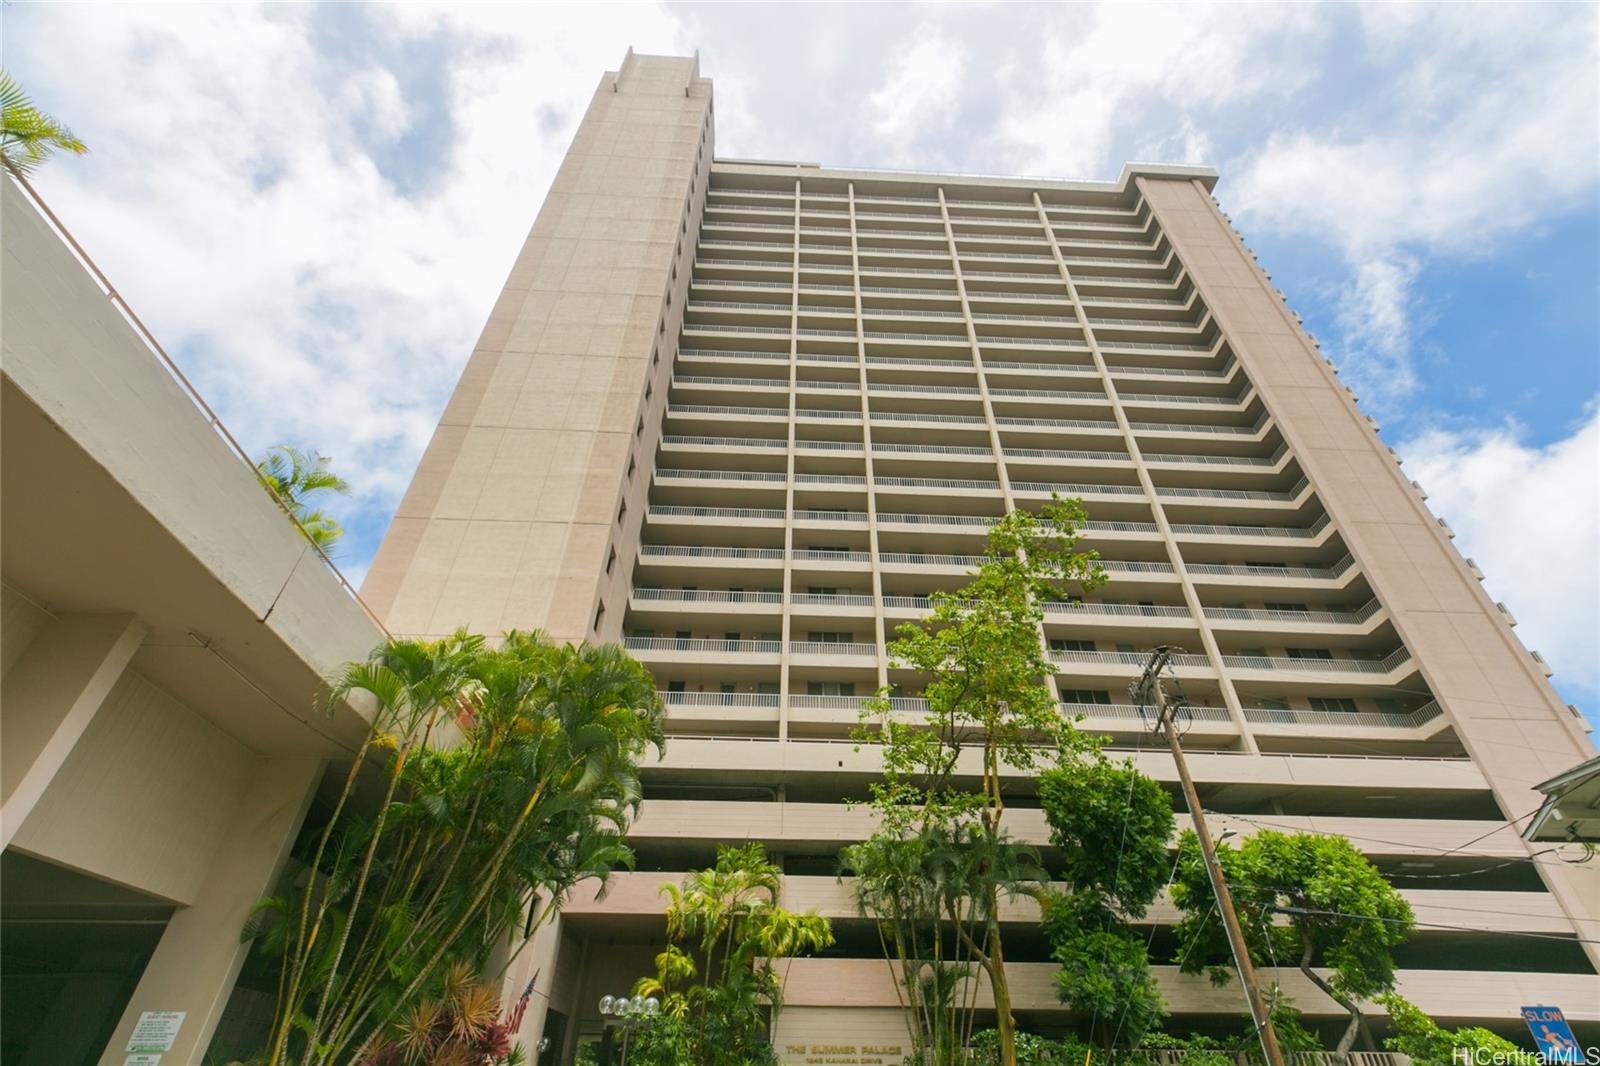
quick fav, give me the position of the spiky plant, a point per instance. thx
(296, 474)
(28, 136)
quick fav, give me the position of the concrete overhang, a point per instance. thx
(121, 497)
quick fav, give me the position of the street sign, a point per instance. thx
(1552, 1033)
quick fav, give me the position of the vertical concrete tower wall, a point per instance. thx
(514, 509)
(1505, 713)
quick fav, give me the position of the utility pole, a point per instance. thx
(1147, 692)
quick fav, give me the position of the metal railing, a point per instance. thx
(830, 599)
(1251, 570)
(718, 699)
(1289, 495)
(815, 647)
(666, 511)
(1217, 460)
(720, 475)
(1292, 532)
(1067, 489)
(722, 409)
(703, 644)
(1132, 659)
(1358, 719)
(1398, 657)
(705, 596)
(1185, 398)
(826, 555)
(689, 551)
(1120, 610)
(1253, 614)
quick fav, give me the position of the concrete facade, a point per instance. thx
(856, 370)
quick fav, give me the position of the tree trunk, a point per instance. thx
(1348, 1038)
(1005, 1026)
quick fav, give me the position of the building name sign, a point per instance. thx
(845, 1054)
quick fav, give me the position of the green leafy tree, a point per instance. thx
(990, 710)
(297, 474)
(28, 136)
(1413, 1033)
(1110, 824)
(718, 977)
(507, 774)
(1330, 905)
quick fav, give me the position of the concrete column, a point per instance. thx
(50, 697)
(536, 962)
(198, 959)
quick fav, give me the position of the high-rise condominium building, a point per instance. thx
(745, 416)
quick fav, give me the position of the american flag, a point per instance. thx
(514, 1019)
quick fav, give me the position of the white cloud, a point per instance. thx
(1105, 70)
(918, 96)
(236, 193)
(1530, 517)
(1487, 125)
(1374, 318)
(1487, 128)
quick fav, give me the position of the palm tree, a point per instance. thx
(729, 916)
(295, 474)
(28, 136)
(509, 772)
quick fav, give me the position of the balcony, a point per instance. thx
(1427, 717)
(1291, 620)
(1315, 670)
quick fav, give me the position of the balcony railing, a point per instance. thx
(705, 596)
(719, 699)
(1251, 614)
(1398, 657)
(667, 511)
(1120, 610)
(1131, 659)
(1290, 532)
(1143, 398)
(758, 476)
(1217, 460)
(699, 644)
(830, 599)
(1236, 494)
(681, 409)
(814, 647)
(1128, 712)
(1069, 489)
(688, 551)
(1338, 569)
(1357, 719)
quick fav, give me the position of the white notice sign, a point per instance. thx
(156, 1030)
(142, 1059)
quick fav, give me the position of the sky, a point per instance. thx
(314, 206)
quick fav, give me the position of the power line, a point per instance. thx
(1430, 925)
(1447, 853)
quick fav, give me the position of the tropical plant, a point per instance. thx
(989, 702)
(718, 976)
(1303, 899)
(1413, 1033)
(1110, 824)
(463, 1027)
(508, 774)
(294, 475)
(28, 136)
